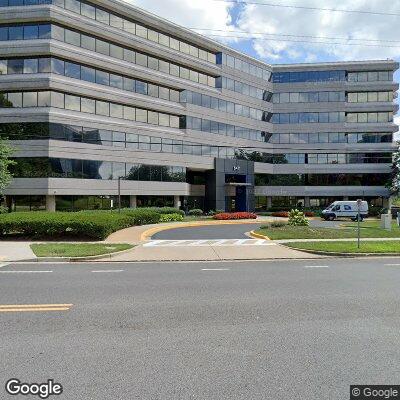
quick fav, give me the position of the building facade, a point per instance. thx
(100, 98)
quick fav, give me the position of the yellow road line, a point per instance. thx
(33, 309)
(34, 305)
(259, 236)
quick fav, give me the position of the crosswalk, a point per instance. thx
(208, 242)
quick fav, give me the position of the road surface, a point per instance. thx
(241, 330)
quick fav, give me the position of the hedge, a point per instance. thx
(159, 210)
(90, 224)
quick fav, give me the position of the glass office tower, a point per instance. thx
(95, 91)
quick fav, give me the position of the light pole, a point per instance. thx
(119, 192)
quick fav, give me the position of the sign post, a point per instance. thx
(359, 203)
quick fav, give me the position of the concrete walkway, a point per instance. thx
(16, 251)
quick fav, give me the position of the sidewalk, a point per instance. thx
(16, 251)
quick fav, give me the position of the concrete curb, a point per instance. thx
(87, 258)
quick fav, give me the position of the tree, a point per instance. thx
(394, 182)
(5, 163)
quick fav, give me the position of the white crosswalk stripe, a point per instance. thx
(208, 242)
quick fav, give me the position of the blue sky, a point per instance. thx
(344, 29)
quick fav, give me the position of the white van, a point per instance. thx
(345, 209)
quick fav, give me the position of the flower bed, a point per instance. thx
(235, 215)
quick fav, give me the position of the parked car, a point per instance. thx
(345, 209)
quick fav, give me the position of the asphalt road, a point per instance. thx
(245, 330)
(227, 231)
(224, 231)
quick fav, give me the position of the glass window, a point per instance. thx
(141, 87)
(383, 75)
(72, 70)
(141, 115)
(72, 37)
(323, 97)
(3, 67)
(102, 108)
(116, 81)
(102, 78)
(88, 106)
(164, 66)
(16, 66)
(116, 52)
(30, 99)
(141, 31)
(174, 44)
(352, 97)
(72, 102)
(57, 32)
(153, 117)
(15, 33)
(57, 99)
(88, 11)
(372, 117)
(141, 59)
(382, 96)
(362, 97)
(129, 113)
(72, 5)
(116, 110)
(372, 76)
(102, 16)
(163, 39)
(130, 27)
(88, 42)
(3, 33)
(153, 63)
(88, 74)
(163, 119)
(57, 66)
(116, 21)
(129, 84)
(362, 117)
(102, 47)
(44, 99)
(152, 35)
(44, 65)
(129, 56)
(31, 32)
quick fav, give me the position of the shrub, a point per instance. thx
(196, 212)
(159, 210)
(89, 224)
(171, 217)
(277, 224)
(3, 210)
(235, 215)
(297, 218)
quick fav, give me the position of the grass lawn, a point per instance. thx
(369, 229)
(348, 247)
(76, 249)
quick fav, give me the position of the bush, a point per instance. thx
(282, 214)
(274, 224)
(297, 218)
(3, 210)
(89, 224)
(196, 212)
(171, 217)
(235, 215)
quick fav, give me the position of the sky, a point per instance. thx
(283, 34)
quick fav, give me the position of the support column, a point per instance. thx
(269, 202)
(50, 203)
(306, 202)
(132, 201)
(177, 202)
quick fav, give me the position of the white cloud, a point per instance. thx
(189, 13)
(300, 22)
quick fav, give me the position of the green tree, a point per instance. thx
(394, 181)
(5, 163)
